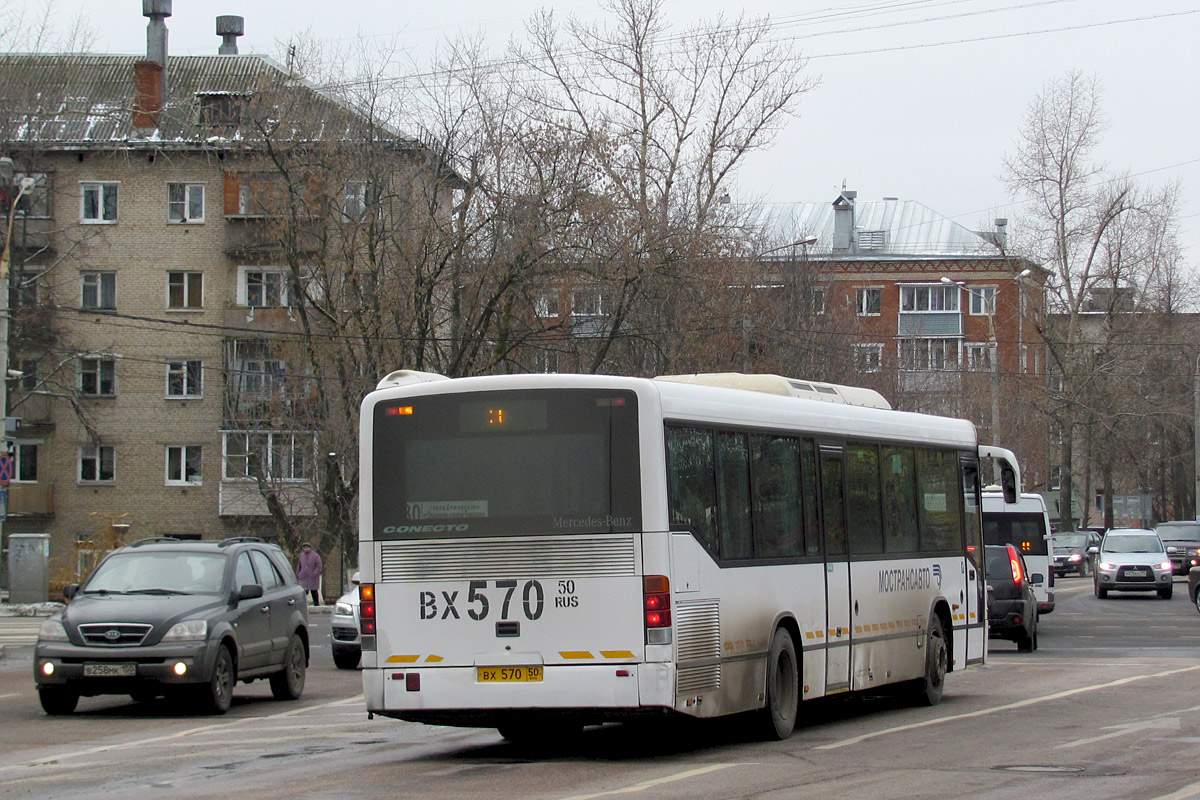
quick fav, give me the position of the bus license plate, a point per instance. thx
(109, 670)
(509, 674)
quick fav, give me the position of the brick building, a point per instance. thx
(937, 317)
(150, 301)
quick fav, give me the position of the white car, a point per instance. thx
(343, 629)
(1132, 560)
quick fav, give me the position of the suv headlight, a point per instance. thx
(187, 631)
(52, 630)
(343, 609)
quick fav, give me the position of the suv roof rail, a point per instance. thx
(153, 539)
(236, 539)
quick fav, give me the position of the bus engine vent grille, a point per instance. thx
(495, 559)
(699, 628)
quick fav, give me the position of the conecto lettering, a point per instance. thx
(426, 528)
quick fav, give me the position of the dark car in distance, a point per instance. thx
(1071, 552)
(1182, 540)
(180, 619)
(1012, 604)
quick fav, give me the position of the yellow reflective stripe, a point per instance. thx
(616, 653)
(402, 659)
(432, 659)
(575, 654)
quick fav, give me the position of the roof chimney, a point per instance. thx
(229, 28)
(1001, 233)
(156, 38)
(147, 93)
(843, 221)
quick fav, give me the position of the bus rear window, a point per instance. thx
(1026, 532)
(506, 463)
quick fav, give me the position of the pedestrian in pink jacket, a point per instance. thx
(308, 571)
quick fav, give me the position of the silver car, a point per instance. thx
(1132, 560)
(344, 631)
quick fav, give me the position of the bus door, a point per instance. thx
(837, 570)
(974, 591)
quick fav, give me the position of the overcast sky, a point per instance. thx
(920, 99)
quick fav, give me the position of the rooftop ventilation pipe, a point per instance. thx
(843, 221)
(229, 28)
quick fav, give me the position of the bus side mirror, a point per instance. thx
(1008, 482)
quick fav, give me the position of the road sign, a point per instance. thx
(6, 469)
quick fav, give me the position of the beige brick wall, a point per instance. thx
(140, 421)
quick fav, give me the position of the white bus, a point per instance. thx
(1025, 525)
(543, 552)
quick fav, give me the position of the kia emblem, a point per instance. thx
(112, 635)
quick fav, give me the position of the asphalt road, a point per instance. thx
(1108, 707)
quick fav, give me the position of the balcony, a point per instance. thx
(31, 236)
(250, 237)
(241, 498)
(35, 411)
(31, 500)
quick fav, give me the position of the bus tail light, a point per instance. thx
(366, 609)
(656, 608)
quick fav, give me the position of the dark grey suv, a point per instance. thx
(164, 617)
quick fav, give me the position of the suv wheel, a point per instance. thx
(216, 696)
(288, 684)
(1166, 592)
(58, 700)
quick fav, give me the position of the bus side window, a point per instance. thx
(863, 519)
(941, 514)
(733, 496)
(778, 530)
(691, 490)
(808, 488)
(899, 500)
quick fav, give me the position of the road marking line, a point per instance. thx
(1191, 790)
(1008, 707)
(203, 729)
(650, 784)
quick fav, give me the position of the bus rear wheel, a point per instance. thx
(937, 659)
(783, 687)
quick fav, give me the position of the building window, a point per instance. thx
(97, 464)
(99, 291)
(98, 203)
(816, 301)
(221, 108)
(262, 288)
(934, 298)
(29, 375)
(545, 361)
(25, 466)
(185, 202)
(980, 357)
(354, 200)
(983, 300)
(588, 302)
(868, 357)
(868, 302)
(184, 378)
(929, 354)
(34, 202)
(98, 377)
(547, 304)
(185, 290)
(183, 465)
(268, 455)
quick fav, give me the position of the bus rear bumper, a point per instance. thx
(413, 693)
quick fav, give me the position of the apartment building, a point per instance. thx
(152, 304)
(938, 317)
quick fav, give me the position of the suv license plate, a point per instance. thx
(509, 674)
(1135, 573)
(109, 670)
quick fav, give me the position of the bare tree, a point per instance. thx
(1110, 247)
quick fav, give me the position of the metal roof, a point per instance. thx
(889, 228)
(80, 100)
